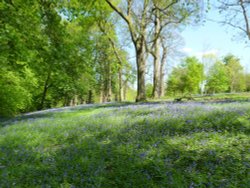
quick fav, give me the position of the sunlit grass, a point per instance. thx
(147, 145)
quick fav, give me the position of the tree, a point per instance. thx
(138, 15)
(19, 32)
(135, 16)
(194, 76)
(217, 78)
(46, 55)
(176, 81)
(247, 78)
(106, 66)
(108, 29)
(166, 16)
(15, 90)
(53, 52)
(235, 73)
(186, 78)
(208, 61)
(162, 67)
(170, 43)
(236, 14)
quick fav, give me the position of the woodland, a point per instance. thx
(99, 94)
(62, 53)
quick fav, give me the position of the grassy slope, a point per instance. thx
(147, 145)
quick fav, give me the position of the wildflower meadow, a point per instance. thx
(189, 144)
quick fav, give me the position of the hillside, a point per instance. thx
(189, 144)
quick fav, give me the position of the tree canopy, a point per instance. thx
(60, 53)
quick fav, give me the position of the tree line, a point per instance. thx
(59, 53)
(197, 77)
(67, 52)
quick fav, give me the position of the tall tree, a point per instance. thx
(235, 73)
(135, 14)
(109, 30)
(138, 15)
(166, 15)
(170, 43)
(19, 34)
(162, 67)
(53, 53)
(186, 79)
(217, 78)
(176, 81)
(195, 74)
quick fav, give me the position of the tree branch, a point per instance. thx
(245, 18)
(167, 7)
(126, 18)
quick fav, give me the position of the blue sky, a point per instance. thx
(212, 37)
(207, 38)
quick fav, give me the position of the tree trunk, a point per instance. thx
(125, 88)
(246, 18)
(119, 58)
(45, 89)
(109, 86)
(75, 100)
(162, 73)
(138, 36)
(101, 93)
(90, 97)
(156, 55)
(120, 83)
(141, 71)
(66, 101)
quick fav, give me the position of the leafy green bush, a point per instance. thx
(15, 91)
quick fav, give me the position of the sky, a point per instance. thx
(212, 37)
(209, 37)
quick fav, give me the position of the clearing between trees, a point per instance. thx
(188, 144)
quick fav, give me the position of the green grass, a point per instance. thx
(145, 145)
(226, 96)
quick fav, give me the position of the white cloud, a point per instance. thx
(187, 50)
(199, 54)
(213, 52)
(208, 52)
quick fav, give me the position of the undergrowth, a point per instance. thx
(147, 145)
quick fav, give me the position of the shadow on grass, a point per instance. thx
(51, 112)
(56, 111)
(120, 165)
(142, 154)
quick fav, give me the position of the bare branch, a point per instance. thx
(118, 11)
(126, 18)
(234, 10)
(167, 7)
(246, 19)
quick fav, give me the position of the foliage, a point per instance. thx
(18, 30)
(235, 73)
(61, 53)
(194, 75)
(217, 76)
(176, 83)
(247, 78)
(15, 91)
(187, 78)
(48, 53)
(147, 145)
(217, 80)
(149, 88)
